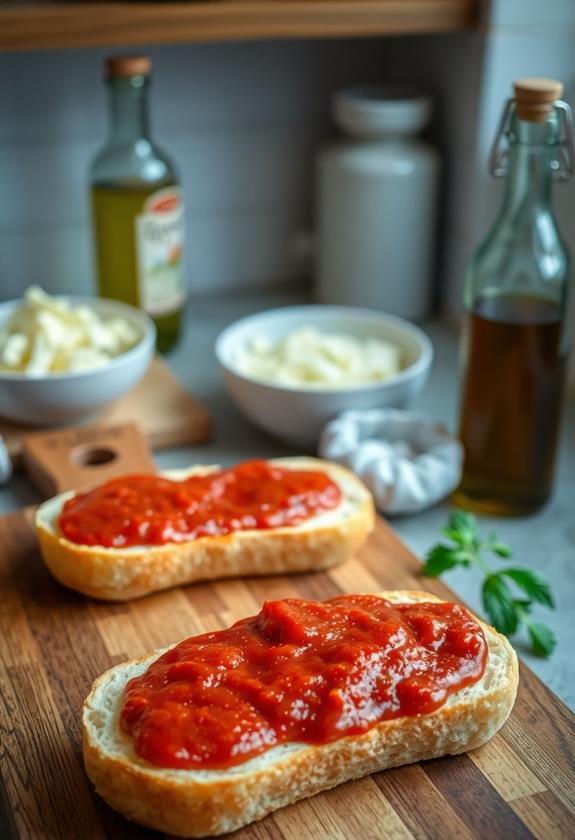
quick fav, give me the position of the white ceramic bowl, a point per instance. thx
(296, 414)
(67, 397)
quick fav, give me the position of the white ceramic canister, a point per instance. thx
(376, 204)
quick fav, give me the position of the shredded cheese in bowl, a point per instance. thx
(49, 335)
(309, 358)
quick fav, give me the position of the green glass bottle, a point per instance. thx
(137, 207)
(516, 340)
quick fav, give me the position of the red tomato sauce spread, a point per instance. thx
(151, 510)
(299, 671)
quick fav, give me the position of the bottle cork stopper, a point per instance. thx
(535, 98)
(128, 65)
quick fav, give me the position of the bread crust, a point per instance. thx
(207, 803)
(123, 574)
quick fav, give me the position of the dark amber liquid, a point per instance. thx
(512, 389)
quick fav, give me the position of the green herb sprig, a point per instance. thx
(505, 610)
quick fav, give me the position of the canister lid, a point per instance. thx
(376, 111)
(128, 65)
(535, 97)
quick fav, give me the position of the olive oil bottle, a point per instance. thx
(516, 333)
(137, 208)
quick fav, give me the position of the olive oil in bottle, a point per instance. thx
(516, 333)
(137, 207)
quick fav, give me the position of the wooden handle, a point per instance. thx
(535, 98)
(79, 458)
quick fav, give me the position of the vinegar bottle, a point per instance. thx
(516, 342)
(137, 207)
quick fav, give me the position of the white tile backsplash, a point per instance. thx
(508, 55)
(45, 183)
(57, 258)
(256, 168)
(246, 250)
(241, 121)
(57, 95)
(531, 13)
(241, 250)
(217, 86)
(7, 103)
(450, 67)
(61, 94)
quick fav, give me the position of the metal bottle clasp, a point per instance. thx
(563, 162)
(562, 165)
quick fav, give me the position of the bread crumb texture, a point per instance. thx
(113, 574)
(197, 803)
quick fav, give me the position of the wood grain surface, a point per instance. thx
(55, 642)
(49, 25)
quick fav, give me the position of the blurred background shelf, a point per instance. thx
(95, 24)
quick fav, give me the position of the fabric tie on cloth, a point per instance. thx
(408, 461)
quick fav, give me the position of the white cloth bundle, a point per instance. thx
(407, 461)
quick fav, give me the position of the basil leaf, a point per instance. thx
(543, 639)
(441, 558)
(505, 611)
(499, 604)
(463, 524)
(501, 550)
(533, 584)
(454, 535)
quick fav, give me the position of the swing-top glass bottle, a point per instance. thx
(516, 335)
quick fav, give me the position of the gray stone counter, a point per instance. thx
(545, 541)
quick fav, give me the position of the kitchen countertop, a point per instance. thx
(545, 541)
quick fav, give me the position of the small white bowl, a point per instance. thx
(297, 414)
(68, 397)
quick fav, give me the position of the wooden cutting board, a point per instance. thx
(55, 642)
(167, 414)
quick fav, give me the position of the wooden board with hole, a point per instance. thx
(165, 411)
(82, 457)
(55, 642)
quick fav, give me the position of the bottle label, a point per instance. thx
(159, 249)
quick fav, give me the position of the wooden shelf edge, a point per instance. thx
(116, 24)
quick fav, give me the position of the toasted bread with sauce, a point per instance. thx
(119, 574)
(197, 803)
